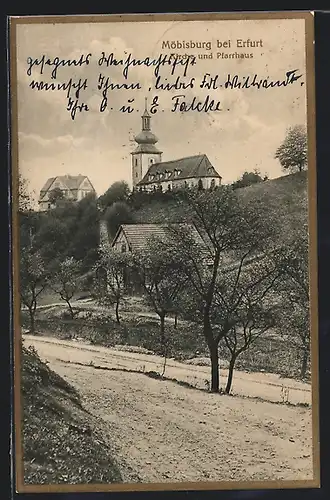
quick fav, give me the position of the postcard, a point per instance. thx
(164, 252)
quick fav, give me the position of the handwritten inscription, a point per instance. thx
(110, 83)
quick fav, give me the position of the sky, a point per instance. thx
(243, 136)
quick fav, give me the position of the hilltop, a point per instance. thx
(286, 197)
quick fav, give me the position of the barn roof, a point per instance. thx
(183, 168)
(137, 235)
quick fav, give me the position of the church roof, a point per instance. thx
(137, 235)
(146, 148)
(183, 168)
(146, 137)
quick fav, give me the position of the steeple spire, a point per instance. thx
(146, 117)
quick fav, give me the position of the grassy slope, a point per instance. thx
(286, 196)
(60, 443)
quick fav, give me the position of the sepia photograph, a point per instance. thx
(164, 252)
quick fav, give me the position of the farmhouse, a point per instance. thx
(73, 187)
(135, 237)
(150, 173)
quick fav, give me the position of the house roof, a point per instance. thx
(137, 235)
(72, 182)
(183, 168)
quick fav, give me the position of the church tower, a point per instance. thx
(146, 153)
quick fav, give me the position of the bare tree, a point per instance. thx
(160, 271)
(115, 266)
(65, 281)
(294, 319)
(33, 280)
(251, 308)
(232, 234)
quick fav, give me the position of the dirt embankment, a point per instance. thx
(61, 440)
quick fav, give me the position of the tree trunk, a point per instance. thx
(163, 340)
(214, 355)
(117, 312)
(70, 309)
(230, 374)
(304, 361)
(32, 322)
(165, 359)
(162, 329)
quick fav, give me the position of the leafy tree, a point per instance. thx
(118, 191)
(119, 213)
(85, 232)
(232, 232)
(55, 195)
(247, 179)
(292, 153)
(33, 280)
(24, 195)
(65, 280)
(115, 266)
(52, 237)
(70, 230)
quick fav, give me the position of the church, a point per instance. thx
(150, 173)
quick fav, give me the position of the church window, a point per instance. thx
(136, 174)
(212, 183)
(151, 161)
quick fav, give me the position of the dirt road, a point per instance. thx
(167, 433)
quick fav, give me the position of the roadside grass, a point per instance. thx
(183, 383)
(270, 353)
(61, 441)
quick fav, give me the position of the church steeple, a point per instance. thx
(146, 153)
(146, 117)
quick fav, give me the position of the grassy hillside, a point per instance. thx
(60, 442)
(286, 197)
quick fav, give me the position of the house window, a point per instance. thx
(123, 248)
